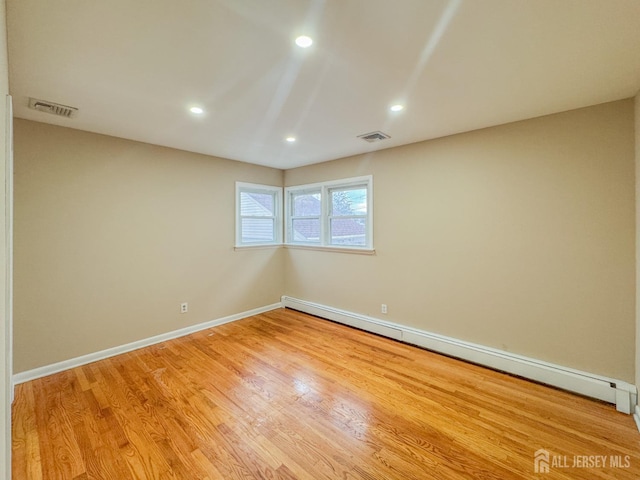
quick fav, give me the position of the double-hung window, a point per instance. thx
(258, 215)
(306, 216)
(348, 215)
(336, 214)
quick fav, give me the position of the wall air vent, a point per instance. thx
(52, 108)
(373, 136)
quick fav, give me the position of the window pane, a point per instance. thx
(256, 204)
(256, 230)
(305, 230)
(349, 202)
(306, 204)
(348, 231)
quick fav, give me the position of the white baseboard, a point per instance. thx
(636, 417)
(110, 352)
(618, 392)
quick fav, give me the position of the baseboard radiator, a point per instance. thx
(622, 394)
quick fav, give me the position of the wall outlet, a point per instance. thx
(383, 308)
(184, 307)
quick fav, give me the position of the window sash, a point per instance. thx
(350, 188)
(333, 239)
(311, 193)
(309, 240)
(255, 239)
(258, 208)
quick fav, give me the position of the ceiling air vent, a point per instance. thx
(52, 108)
(373, 136)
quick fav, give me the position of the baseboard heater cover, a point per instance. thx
(618, 392)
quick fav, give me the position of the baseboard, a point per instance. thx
(618, 392)
(636, 417)
(110, 352)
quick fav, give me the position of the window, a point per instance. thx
(305, 216)
(348, 216)
(258, 214)
(334, 214)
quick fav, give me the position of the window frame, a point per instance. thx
(326, 213)
(276, 192)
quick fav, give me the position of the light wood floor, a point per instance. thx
(285, 395)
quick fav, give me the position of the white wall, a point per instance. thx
(5, 374)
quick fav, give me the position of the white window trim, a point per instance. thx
(277, 209)
(331, 248)
(324, 188)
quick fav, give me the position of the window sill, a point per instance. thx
(257, 247)
(357, 251)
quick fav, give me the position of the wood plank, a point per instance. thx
(285, 395)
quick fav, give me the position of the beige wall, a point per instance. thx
(5, 338)
(112, 235)
(518, 237)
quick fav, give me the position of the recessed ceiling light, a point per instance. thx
(290, 139)
(396, 108)
(197, 110)
(303, 41)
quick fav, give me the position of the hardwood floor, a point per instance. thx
(284, 395)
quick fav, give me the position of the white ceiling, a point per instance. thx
(134, 67)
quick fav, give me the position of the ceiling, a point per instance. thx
(133, 68)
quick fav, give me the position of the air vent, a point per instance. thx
(374, 137)
(52, 108)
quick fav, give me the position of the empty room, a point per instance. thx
(320, 239)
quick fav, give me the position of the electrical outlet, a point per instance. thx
(383, 308)
(184, 307)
